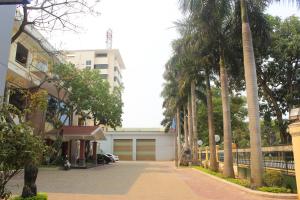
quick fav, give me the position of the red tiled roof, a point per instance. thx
(79, 130)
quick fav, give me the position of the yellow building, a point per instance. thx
(30, 61)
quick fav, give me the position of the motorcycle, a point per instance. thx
(67, 164)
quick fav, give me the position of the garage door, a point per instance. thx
(145, 149)
(123, 148)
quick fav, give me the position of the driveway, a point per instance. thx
(132, 181)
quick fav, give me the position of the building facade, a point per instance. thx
(108, 61)
(139, 144)
(29, 67)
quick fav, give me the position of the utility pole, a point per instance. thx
(7, 15)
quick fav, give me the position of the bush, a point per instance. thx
(275, 189)
(273, 178)
(39, 196)
(242, 182)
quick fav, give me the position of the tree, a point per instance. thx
(50, 15)
(19, 148)
(276, 67)
(252, 93)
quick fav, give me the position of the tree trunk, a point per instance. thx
(190, 124)
(178, 130)
(185, 127)
(211, 128)
(194, 119)
(252, 100)
(228, 160)
(30, 175)
(268, 94)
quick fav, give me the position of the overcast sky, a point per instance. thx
(142, 31)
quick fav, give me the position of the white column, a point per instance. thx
(7, 15)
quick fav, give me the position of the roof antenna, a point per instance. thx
(109, 39)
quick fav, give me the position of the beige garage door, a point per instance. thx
(145, 149)
(123, 148)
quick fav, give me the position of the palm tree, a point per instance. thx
(211, 16)
(252, 94)
(228, 160)
(194, 119)
(211, 128)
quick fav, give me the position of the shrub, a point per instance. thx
(273, 178)
(39, 196)
(275, 189)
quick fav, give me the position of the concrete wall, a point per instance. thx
(164, 143)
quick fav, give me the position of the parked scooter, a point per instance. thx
(67, 164)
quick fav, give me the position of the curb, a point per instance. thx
(254, 192)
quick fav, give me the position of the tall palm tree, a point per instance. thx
(211, 16)
(185, 128)
(178, 131)
(228, 160)
(194, 119)
(211, 128)
(252, 93)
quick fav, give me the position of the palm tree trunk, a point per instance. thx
(252, 100)
(211, 128)
(178, 136)
(190, 124)
(185, 127)
(228, 160)
(194, 119)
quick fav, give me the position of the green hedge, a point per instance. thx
(246, 183)
(242, 182)
(275, 189)
(40, 196)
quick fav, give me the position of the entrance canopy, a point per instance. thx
(78, 133)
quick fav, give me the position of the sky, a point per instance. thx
(142, 31)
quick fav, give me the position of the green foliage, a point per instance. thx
(277, 62)
(39, 196)
(242, 182)
(19, 146)
(273, 178)
(88, 95)
(274, 189)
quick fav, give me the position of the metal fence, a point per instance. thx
(280, 157)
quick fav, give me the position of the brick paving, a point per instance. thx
(133, 181)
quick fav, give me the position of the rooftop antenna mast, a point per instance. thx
(109, 39)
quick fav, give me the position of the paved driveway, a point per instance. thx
(132, 181)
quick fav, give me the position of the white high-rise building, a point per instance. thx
(108, 61)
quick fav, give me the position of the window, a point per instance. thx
(55, 106)
(104, 76)
(88, 62)
(101, 55)
(100, 66)
(21, 54)
(17, 98)
(42, 66)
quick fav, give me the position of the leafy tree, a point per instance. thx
(87, 94)
(19, 147)
(276, 68)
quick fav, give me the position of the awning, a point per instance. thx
(78, 133)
